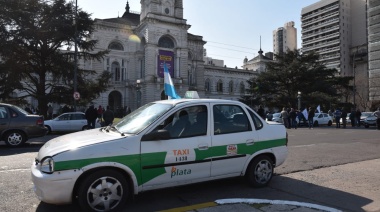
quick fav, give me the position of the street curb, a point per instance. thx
(276, 202)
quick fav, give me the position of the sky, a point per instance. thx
(232, 29)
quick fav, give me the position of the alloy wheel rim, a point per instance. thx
(104, 194)
(263, 171)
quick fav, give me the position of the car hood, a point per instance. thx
(75, 141)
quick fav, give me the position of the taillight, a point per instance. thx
(40, 121)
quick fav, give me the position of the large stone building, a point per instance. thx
(140, 44)
(374, 49)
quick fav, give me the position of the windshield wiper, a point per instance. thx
(112, 127)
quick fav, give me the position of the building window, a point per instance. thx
(166, 42)
(219, 86)
(116, 46)
(242, 88)
(231, 87)
(207, 85)
(116, 71)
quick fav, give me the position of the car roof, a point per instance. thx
(181, 101)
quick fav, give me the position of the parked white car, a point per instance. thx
(162, 144)
(68, 122)
(322, 119)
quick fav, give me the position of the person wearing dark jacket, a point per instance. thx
(310, 117)
(91, 116)
(293, 117)
(344, 118)
(108, 116)
(358, 114)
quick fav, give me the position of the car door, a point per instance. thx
(4, 118)
(62, 122)
(77, 121)
(184, 157)
(233, 138)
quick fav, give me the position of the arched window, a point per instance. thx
(116, 46)
(116, 71)
(242, 88)
(219, 86)
(166, 42)
(231, 87)
(207, 86)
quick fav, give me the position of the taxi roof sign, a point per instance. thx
(191, 95)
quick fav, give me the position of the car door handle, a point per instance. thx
(250, 142)
(203, 147)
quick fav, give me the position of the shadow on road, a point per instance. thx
(281, 188)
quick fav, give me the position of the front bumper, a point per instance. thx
(55, 188)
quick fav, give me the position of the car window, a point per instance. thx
(236, 121)
(64, 117)
(77, 116)
(13, 113)
(324, 115)
(187, 122)
(3, 113)
(256, 120)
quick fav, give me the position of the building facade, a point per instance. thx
(139, 45)
(374, 49)
(337, 30)
(285, 38)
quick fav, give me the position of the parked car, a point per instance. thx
(364, 116)
(162, 144)
(322, 119)
(17, 125)
(370, 120)
(68, 122)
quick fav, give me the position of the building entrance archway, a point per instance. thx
(114, 102)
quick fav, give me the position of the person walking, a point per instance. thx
(358, 114)
(344, 118)
(285, 118)
(91, 115)
(293, 117)
(377, 114)
(50, 112)
(310, 117)
(108, 116)
(261, 112)
(352, 118)
(337, 115)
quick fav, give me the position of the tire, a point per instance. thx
(329, 123)
(260, 171)
(49, 129)
(108, 187)
(85, 127)
(15, 138)
(316, 124)
(366, 126)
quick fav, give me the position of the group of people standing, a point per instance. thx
(289, 117)
(105, 117)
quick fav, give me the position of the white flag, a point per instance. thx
(319, 109)
(305, 114)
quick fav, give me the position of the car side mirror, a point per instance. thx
(156, 135)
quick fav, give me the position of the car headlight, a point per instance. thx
(47, 165)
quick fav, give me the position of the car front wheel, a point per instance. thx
(103, 190)
(15, 138)
(260, 171)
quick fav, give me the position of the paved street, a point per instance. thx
(333, 167)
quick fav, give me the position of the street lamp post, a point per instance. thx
(354, 86)
(299, 100)
(75, 53)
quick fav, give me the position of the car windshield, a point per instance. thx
(276, 114)
(366, 113)
(141, 118)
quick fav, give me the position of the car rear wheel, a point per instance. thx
(329, 123)
(15, 138)
(260, 171)
(103, 190)
(85, 127)
(49, 129)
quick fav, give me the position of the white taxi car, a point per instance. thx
(162, 144)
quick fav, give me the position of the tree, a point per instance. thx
(35, 38)
(292, 72)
